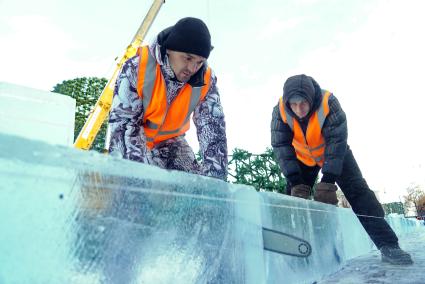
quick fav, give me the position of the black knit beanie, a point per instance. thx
(190, 35)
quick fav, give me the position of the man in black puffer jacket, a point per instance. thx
(309, 133)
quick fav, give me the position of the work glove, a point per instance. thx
(326, 193)
(301, 191)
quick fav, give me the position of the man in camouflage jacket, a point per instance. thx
(181, 52)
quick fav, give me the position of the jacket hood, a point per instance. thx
(161, 38)
(304, 86)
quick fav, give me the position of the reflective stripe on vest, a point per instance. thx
(162, 121)
(310, 148)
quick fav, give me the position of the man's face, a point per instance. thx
(185, 65)
(301, 109)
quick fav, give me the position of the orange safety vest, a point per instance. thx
(310, 150)
(162, 121)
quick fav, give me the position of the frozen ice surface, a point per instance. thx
(369, 269)
(70, 216)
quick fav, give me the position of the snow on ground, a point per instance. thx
(370, 269)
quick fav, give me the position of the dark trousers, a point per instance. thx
(362, 200)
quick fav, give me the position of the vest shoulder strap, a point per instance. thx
(323, 110)
(286, 117)
(147, 74)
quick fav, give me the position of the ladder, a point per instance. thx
(103, 105)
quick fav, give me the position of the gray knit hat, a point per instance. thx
(296, 99)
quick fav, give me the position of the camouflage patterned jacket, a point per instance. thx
(125, 120)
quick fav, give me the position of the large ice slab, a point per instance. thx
(36, 114)
(69, 216)
(334, 233)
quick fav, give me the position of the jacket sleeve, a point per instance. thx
(281, 140)
(127, 136)
(210, 125)
(335, 134)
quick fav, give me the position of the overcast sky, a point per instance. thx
(369, 53)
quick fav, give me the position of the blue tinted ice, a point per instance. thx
(70, 216)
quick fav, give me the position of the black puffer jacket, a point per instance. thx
(334, 131)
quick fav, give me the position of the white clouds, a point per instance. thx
(38, 52)
(275, 27)
(33, 46)
(376, 72)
